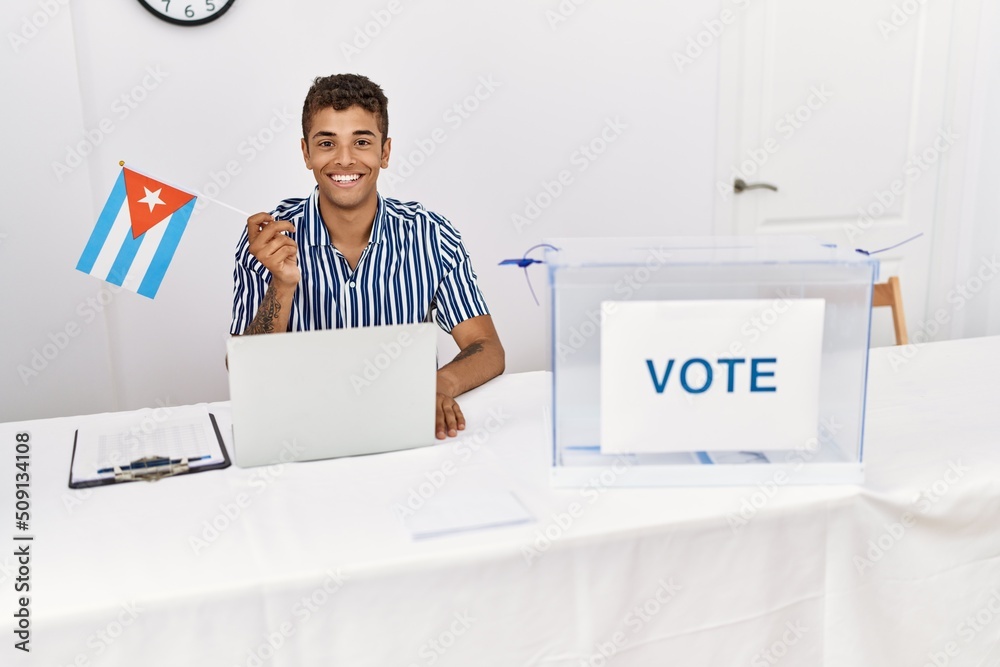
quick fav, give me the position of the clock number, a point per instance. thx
(186, 12)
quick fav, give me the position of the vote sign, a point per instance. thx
(726, 375)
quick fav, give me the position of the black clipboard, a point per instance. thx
(225, 463)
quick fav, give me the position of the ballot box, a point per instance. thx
(699, 361)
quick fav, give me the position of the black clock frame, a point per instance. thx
(170, 19)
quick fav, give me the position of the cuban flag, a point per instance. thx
(137, 233)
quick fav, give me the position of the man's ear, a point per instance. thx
(305, 153)
(386, 147)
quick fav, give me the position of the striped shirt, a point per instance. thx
(414, 261)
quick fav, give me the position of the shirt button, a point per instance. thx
(352, 283)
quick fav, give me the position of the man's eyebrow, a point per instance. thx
(327, 133)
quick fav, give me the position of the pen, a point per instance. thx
(153, 463)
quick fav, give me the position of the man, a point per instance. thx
(345, 256)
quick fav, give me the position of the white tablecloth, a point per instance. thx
(307, 564)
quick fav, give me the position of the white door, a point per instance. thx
(841, 106)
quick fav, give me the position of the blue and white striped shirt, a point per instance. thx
(414, 259)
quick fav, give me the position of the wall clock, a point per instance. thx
(187, 12)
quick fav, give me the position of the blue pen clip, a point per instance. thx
(524, 262)
(151, 468)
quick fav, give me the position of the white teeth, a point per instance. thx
(346, 178)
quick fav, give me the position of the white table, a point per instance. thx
(312, 560)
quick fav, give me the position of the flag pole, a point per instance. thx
(223, 204)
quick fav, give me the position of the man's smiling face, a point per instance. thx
(344, 150)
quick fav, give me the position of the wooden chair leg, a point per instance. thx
(898, 318)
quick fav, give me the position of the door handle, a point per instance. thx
(739, 185)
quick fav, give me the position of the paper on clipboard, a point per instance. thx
(173, 433)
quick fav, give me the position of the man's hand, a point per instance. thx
(480, 358)
(450, 419)
(274, 250)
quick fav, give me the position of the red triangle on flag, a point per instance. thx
(150, 201)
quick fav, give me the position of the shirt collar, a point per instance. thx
(378, 225)
(314, 232)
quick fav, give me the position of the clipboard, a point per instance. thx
(152, 466)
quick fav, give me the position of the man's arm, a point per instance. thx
(277, 253)
(480, 359)
(272, 315)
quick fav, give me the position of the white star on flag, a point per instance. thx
(152, 198)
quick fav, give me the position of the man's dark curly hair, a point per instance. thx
(342, 91)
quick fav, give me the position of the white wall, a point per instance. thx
(220, 84)
(979, 229)
(54, 354)
(69, 64)
(967, 211)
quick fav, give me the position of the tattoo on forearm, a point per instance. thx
(266, 314)
(475, 348)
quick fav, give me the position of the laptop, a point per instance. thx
(302, 396)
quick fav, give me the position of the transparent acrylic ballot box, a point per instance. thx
(701, 361)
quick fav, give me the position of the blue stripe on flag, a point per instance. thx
(104, 223)
(165, 251)
(123, 261)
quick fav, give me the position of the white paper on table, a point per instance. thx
(455, 511)
(168, 432)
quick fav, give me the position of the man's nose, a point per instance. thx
(344, 155)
